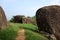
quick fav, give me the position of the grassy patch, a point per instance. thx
(26, 26)
(29, 27)
(9, 33)
(30, 35)
(30, 32)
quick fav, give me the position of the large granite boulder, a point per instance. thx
(48, 20)
(3, 20)
(27, 20)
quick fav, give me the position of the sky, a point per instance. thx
(24, 7)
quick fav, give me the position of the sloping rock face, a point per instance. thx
(27, 20)
(48, 20)
(3, 20)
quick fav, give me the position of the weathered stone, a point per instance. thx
(27, 20)
(48, 20)
(3, 20)
(22, 19)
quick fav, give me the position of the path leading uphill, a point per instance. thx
(20, 35)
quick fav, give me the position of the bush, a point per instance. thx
(17, 19)
(9, 33)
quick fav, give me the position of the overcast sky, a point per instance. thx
(24, 7)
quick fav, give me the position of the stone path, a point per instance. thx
(20, 35)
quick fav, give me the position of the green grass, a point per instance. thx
(30, 32)
(9, 34)
(29, 27)
(26, 26)
(30, 35)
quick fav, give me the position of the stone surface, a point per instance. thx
(3, 20)
(27, 20)
(48, 20)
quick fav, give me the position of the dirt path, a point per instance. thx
(20, 35)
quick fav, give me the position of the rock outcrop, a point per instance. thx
(27, 20)
(48, 20)
(3, 20)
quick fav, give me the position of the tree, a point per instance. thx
(17, 19)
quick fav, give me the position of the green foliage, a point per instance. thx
(29, 26)
(34, 17)
(17, 19)
(9, 33)
(30, 35)
(12, 19)
(25, 26)
(31, 32)
(28, 17)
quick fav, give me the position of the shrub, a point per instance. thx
(17, 19)
(9, 33)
